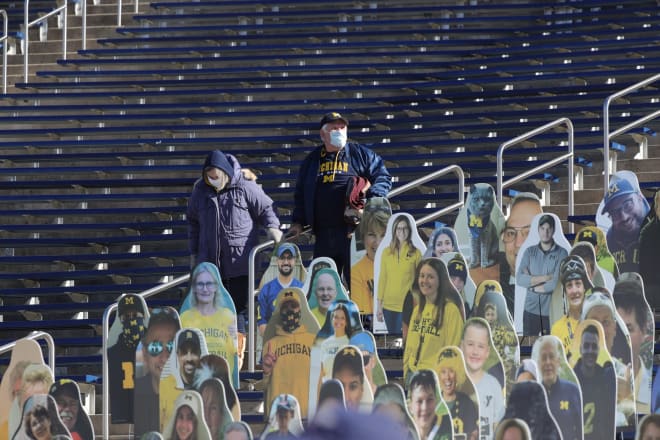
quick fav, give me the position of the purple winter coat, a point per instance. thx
(222, 225)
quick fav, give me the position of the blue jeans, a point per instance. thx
(393, 321)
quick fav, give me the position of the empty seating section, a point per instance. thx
(98, 154)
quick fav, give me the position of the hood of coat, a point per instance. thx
(224, 162)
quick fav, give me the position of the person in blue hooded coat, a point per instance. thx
(224, 213)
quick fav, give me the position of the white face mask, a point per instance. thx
(338, 138)
(220, 182)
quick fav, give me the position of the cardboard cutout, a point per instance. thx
(491, 306)
(390, 400)
(561, 386)
(24, 353)
(600, 307)
(442, 240)
(237, 430)
(325, 289)
(649, 243)
(187, 418)
(436, 320)
(478, 227)
(529, 402)
(484, 366)
(364, 244)
(288, 341)
(620, 215)
(342, 320)
(604, 258)
(131, 316)
(593, 367)
(315, 265)
(460, 278)
(284, 420)
(216, 412)
(71, 409)
(331, 396)
(649, 427)
(655, 402)
(209, 308)
(508, 427)
(430, 413)
(179, 370)
(150, 358)
(395, 262)
(348, 368)
(537, 274)
(215, 367)
(638, 318)
(40, 420)
(458, 392)
(373, 367)
(36, 379)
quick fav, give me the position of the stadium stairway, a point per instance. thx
(99, 151)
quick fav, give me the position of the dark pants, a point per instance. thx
(393, 321)
(334, 243)
(238, 288)
(534, 324)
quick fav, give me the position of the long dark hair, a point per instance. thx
(444, 295)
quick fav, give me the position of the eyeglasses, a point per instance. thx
(155, 348)
(509, 234)
(625, 208)
(209, 285)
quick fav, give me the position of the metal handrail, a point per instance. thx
(119, 4)
(607, 136)
(83, 11)
(36, 335)
(500, 168)
(106, 330)
(27, 25)
(395, 192)
(3, 41)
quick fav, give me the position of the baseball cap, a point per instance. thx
(456, 268)
(287, 296)
(188, 337)
(616, 189)
(573, 268)
(286, 247)
(64, 386)
(129, 303)
(363, 341)
(332, 117)
(285, 403)
(587, 234)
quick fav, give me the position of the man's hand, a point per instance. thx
(274, 234)
(268, 360)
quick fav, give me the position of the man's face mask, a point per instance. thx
(290, 319)
(220, 182)
(338, 138)
(133, 331)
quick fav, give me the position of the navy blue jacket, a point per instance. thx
(363, 161)
(222, 225)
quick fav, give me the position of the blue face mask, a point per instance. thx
(338, 138)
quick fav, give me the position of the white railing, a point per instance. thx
(4, 40)
(403, 188)
(119, 4)
(607, 135)
(36, 335)
(26, 34)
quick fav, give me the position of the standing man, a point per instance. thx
(323, 184)
(539, 273)
(286, 259)
(626, 208)
(224, 212)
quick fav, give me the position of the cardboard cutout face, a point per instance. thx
(132, 313)
(620, 215)
(636, 314)
(492, 307)
(649, 427)
(348, 368)
(71, 409)
(288, 341)
(595, 372)
(512, 428)
(436, 320)
(484, 367)
(284, 417)
(209, 307)
(215, 367)
(460, 278)
(430, 413)
(216, 412)
(342, 321)
(40, 420)
(561, 385)
(604, 258)
(458, 392)
(537, 274)
(528, 402)
(394, 270)
(314, 266)
(441, 241)
(364, 245)
(478, 227)
(36, 379)
(325, 289)
(179, 370)
(24, 353)
(373, 367)
(150, 358)
(187, 419)
(390, 400)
